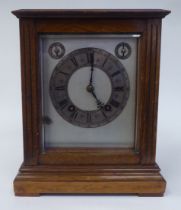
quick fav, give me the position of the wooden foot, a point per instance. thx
(26, 194)
(151, 194)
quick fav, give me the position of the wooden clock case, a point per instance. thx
(91, 170)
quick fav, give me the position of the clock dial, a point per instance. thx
(89, 87)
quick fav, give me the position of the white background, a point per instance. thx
(169, 118)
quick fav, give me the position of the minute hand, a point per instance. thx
(92, 67)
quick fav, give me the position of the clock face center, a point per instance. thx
(90, 88)
(81, 92)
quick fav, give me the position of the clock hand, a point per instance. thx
(92, 67)
(90, 89)
(100, 104)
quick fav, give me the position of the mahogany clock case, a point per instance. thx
(91, 170)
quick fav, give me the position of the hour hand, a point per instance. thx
(100, 104)
(90, 89)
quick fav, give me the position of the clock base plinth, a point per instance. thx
(136, 180)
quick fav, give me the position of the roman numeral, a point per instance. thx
(63, 103)
(60, 87)
(74, 115)
(105, 61)
(88, 117)
(103, 113)
(90, 57)
(64, 73)
(121, 88)
(115, 73)
(115, 103)
(74, 61)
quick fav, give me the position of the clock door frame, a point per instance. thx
(119, 170)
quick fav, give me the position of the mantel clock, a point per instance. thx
(90, 93)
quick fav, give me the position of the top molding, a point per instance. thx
(89, 13)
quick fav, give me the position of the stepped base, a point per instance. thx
(141, 181)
